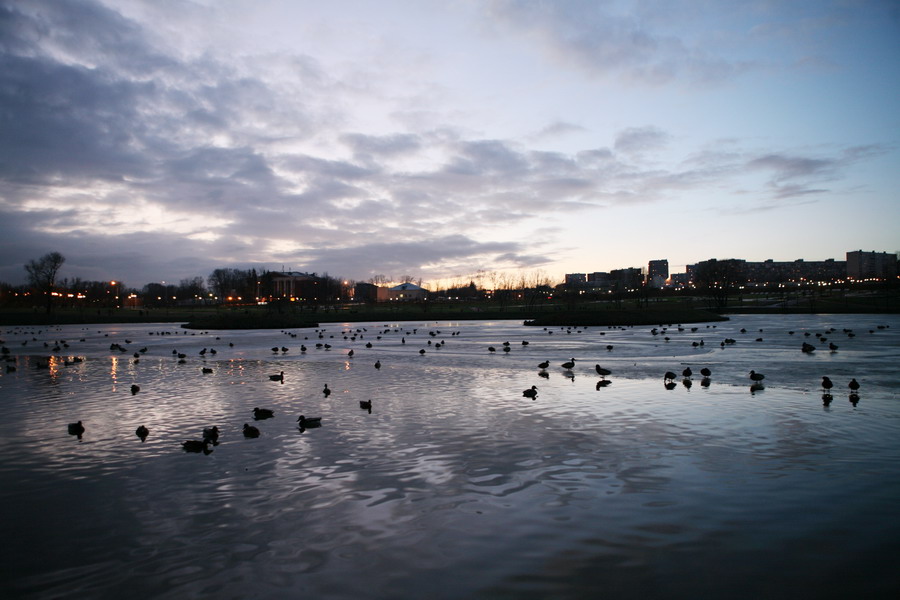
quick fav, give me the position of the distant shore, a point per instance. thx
(546, 315)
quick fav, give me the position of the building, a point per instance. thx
(575, 279)
(405, 292)
(657, 273)
(365, 292)
(630, 278)
(871, 265)
(296, 285)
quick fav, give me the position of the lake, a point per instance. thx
(454, 485)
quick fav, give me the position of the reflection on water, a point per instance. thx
(453, 485)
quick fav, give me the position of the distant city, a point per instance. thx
(237, 286)
(859, 265)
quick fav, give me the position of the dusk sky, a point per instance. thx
(158, 140)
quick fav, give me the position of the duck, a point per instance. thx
(279, 377)
(377, 364)
(756, 377)
(826, 383)
(568, 365)
(76, 429)
(602, 372)
(308, 422)
(544, 364)
(196, 446)
(669, 376)
(853, 385)
(263, 413)
(206, 370)
(211, 434)
(687, 372)
(365, 404)
(530, 393)
(705, 372)
(326, 391)
(142, 432)
(250, 431)
(135, 389)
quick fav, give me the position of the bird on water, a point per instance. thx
(263, 413)
(530, 393)
(196, 446)
(76, 429)
(142, 432)
(250, 431)
(308, 422)
(568, 365)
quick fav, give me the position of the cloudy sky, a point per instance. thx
(157, 140)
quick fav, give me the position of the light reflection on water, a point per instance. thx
(454, 485)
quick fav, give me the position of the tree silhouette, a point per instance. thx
(42, 274)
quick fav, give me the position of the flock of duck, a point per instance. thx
(211, 434)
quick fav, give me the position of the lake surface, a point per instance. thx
(454, 485)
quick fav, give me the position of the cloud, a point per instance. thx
(636, 140)
(141, 161)
(603, 38)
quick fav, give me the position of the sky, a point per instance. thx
(158, 140)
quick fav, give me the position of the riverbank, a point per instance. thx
(545, 315)
(205, 318)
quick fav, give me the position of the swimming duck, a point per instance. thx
(668, 376)
(135, 389)
(263, 413)
(211, 434)
(853, 385)
(308, 422)
(756, 377)
(76, 429)
(250, 431)
(279, 377)
(326, 390)
(365, 404)
(530, 393)
(196, 446)
(568, 365)
(826, 383)
(544, 364)
(142, 432)
(602, 372)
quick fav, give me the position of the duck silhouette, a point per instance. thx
(76, 429)
(530, 393)
(196, 446)
(263, 413)
(308, 422)
(142, 432)
(250, 431)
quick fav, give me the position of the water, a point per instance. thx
(454, 486)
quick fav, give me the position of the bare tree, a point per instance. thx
(42, 274)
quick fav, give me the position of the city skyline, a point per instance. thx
(163, 141)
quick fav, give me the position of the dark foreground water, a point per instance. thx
(454, 485)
